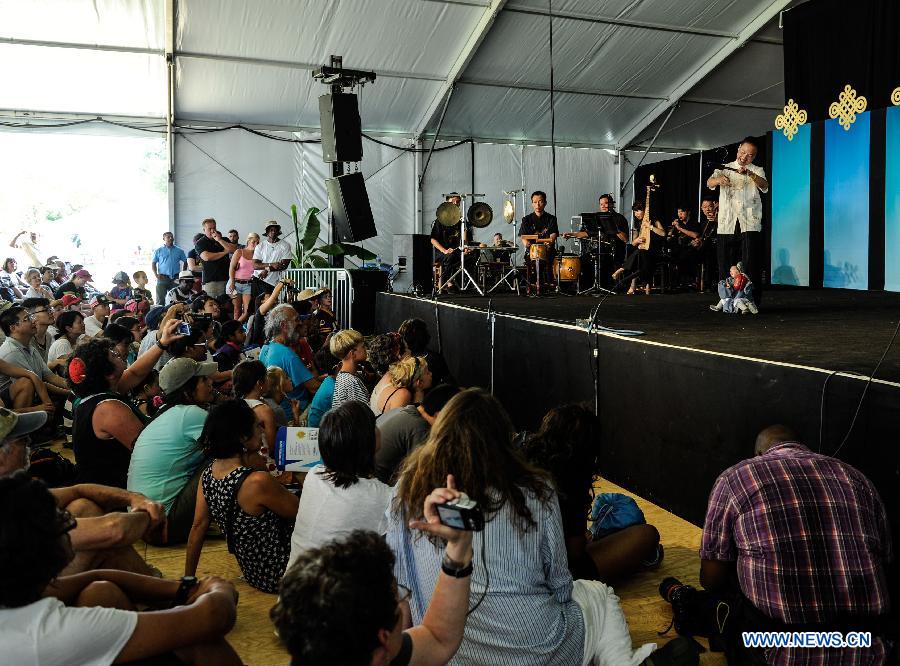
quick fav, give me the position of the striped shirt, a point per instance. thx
(528, 616)
(810, 537)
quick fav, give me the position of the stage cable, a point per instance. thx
(861, 397)
(552, 106)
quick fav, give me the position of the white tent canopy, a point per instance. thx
(619, 67)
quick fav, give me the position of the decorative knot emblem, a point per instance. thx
(847, 106)
(895, 97)
(789, 121)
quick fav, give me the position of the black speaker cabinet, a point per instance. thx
(341, 128)
(366, 283)
(413, 255)
(350, 210)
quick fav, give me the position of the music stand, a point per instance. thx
(606, 230)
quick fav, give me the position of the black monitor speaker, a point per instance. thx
(413, 255)
(341, 128)
(350, 210)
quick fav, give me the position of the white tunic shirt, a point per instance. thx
(270, 253)
(740, 201)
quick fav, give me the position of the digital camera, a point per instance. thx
(461, 514)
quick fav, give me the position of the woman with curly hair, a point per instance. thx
(528, 610)
(568, 447)
(105, 424)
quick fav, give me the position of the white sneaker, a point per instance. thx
(717, 307)
(740, 305)
(752, 307)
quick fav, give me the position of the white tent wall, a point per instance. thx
(243, 180)
(582, 174)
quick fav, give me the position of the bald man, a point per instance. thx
(804, 539)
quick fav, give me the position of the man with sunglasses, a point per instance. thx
(20, 328)
(41, 314)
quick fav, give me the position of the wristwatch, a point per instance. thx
(188, 583)
(162, 346)
(454, 568)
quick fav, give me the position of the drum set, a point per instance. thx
(495, 268)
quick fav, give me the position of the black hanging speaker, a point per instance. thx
(350, 210)
(341, 128)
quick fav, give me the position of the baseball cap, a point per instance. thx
(153, 316)
(5, 305)
(121, 276)
(185, 275)
(177, 371)
(70, 299)
(99, 299)
(82, 273)
(13, 425)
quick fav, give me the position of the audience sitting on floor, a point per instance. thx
(402, 430)
(323, 399)
(417, 338)
(254, 511)
(40, 313)
(70, 328)
(349, 347)
(94, 323)
(166, 462)
(340, 603)
(17, 350)
(75, 285)
(533, 613)
(99, 539)
(795, 540)
(249, 384)
(341, 494)
(405, 383)
(567, 445)
(281, 330)
(52, 617)
(36, 287)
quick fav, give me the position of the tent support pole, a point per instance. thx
(649, 146)
(170, 104)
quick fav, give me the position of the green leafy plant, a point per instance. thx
(307, 233)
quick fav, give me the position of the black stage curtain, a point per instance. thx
(830, 43)
(679, 185)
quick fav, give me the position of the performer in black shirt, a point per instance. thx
(600, 226)
(682, 232)
(543, 225)
(446, 241)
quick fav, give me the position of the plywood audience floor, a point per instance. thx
(647, 613)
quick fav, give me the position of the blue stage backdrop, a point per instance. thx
(846, 251)
(790, 208)
(892, 201)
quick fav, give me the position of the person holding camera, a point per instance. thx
(340, 602)
(528, 609)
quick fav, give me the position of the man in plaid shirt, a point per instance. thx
(806, 538)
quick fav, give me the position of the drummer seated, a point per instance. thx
(499, 242)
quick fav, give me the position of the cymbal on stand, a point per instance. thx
(480, 215)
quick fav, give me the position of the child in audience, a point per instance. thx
(147, 396)
(249, 383)
(278, 385)
(350, 347)
(229, 344)
(140, 288)
(121, 293)
(323, 398)
(253, 510)
(342, 494)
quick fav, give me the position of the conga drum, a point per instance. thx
(567, 268)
